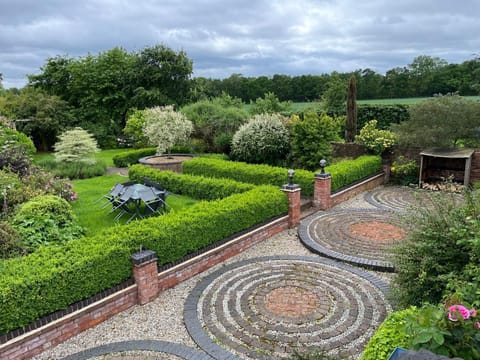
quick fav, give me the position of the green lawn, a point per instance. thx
(92, 217)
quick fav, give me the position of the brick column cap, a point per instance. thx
(291, 188)
(323, 176)
(143, 256)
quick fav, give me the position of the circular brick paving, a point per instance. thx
(266, 308)
(358, 236)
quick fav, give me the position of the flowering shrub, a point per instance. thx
(374, 139)
(404, 171)
(446, 330)
(165, 127)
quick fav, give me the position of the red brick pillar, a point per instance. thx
(294, 204)
(146, 275)
(322, 191)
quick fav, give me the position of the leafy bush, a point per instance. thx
(10, 244)
(440, 246)
(134, 129)
(16, 158)
(311, 138)
(132, 156)
(404, 171)
(390, 334)
(264, 139)
(375, 140)
(198, 187)
(10, 137)
(218, 118)
(76, 145)
(343, 173)
(74, 169)
(53, 277)
(452, 330)
(165, 127)
(45, 220)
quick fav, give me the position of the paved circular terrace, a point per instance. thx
(265, 308)
(357, 236)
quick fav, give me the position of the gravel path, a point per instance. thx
(162, 319)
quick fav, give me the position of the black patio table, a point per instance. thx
(136, 195)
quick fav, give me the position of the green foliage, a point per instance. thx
(440, 248)
(269, 104)
(390, 334)
(453, 331)
(54, 277)
(404, 171)
(264, 139)
(343, 173)
(133, 129)
(311, 139)
(444, 121)
(10, 244)
(216, 120)
(198, 187)
(10, 137)
(76, 145)
(130, 157)
(375, 140)
(45, 220)
(74, 169)
(165, 127)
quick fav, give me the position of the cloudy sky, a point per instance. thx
(256, 37)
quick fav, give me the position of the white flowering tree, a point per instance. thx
(164, 127)
(76, 145)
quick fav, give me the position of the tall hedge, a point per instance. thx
(343, 173)
(54, 277)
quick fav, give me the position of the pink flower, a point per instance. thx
(462, 310)
(473, 312)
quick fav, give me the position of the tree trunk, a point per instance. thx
(351, 121)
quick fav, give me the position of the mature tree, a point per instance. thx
(161, 77)
(37, 114)
(351, 119)
(444, 121)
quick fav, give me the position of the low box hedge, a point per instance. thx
(198, 187)
(54, 277)
(130, 157)
(343, 173)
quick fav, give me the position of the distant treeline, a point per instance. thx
(425, 76)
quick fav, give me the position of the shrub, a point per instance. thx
(218, 118)
(343, 173)
(440, 245)
(10, 137)
(45, 220)
(165, 127)
(404, 171)
(264, 139)
(311, 138)
(76, 145)
(375, 140)
(451, 330)
(16, 158)
(390, 334)
(198, 187)
(10, 244)
(54, 277)
(132, 156)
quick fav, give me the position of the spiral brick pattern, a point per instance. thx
(266, 308)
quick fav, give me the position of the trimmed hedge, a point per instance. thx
(52, 278)
(130, 157)
(390, 334)
(198, 187)
(343, 173)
